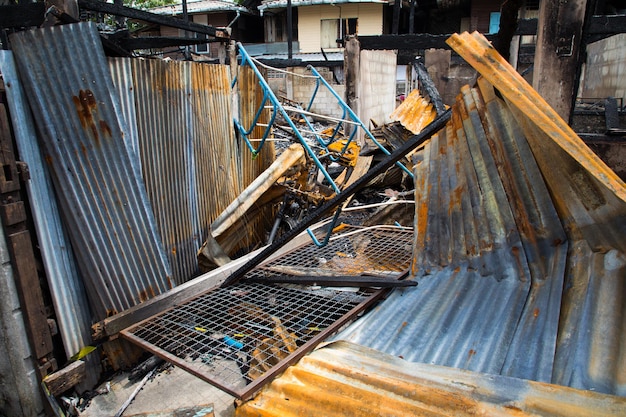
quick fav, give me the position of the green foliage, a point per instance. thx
(147, 4)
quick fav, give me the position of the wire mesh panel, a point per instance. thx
(240, 336)
(374, 251)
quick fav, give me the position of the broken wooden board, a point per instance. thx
(237, 209)
(65, 378)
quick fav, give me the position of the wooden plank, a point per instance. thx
(65, 378)
(352, 69)
(9, 180)
(13, 213)
(27, 280)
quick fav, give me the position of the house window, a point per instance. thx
(332, 30)
(203, 48)
(203, 19)
(494, 22)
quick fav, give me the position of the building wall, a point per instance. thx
(301, 90)
(480, 12)
(369, 15)
(377, 86)
(605, 70)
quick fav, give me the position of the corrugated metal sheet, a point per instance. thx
(344, 379)
(503, 287)
(191, 163)
(200, 6)
(103, 201)
(414, 113)
(485, 255)
(67, 290)
(591, 201)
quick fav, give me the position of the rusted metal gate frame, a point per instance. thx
(195, 328)
(258, 383)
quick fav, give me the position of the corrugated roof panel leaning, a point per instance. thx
(96, 177)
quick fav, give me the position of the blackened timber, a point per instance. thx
(609, 25)
(600, 27)
(429, 86)
(421, 41)
(109, 8)
(330, 205)
(22, 15)
(297, 62)
(338, 281)
(154, 42)
(414, 42)
(508, 26)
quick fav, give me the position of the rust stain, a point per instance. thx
(111, 312)
(174, 250)
(536, 313)
(104, 127)
(471, 354)
(83, 149)
(146, 294)
(87, 108)
(48, 159)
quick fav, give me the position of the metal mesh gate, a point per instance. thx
(240, 336)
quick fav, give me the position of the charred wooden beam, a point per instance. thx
(338, 281)
(110, 48)
(600, 27)
(429, 86)
(156, 42)
(129, 12)
(285, 63)
(22, 15)
(558, 51)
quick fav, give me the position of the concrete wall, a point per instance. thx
(301, 90)
(605, 70)
(369, 15)
(377, 86)
(19, 389)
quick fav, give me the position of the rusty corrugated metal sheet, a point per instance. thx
(519, 254)
(191, 163)
(103, 201)
(343, 379)
(489, 254)
(415, 112)
(591, 202)
(66, 287)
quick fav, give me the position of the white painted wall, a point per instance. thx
(369, 15)
(605, 70)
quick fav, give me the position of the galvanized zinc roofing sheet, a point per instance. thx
(503, 286)
(481, 220)
(180, 123)
(101, 194)
(66, 287)
(343, 379)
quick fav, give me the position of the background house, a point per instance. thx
(322, 24)
(244, 24)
